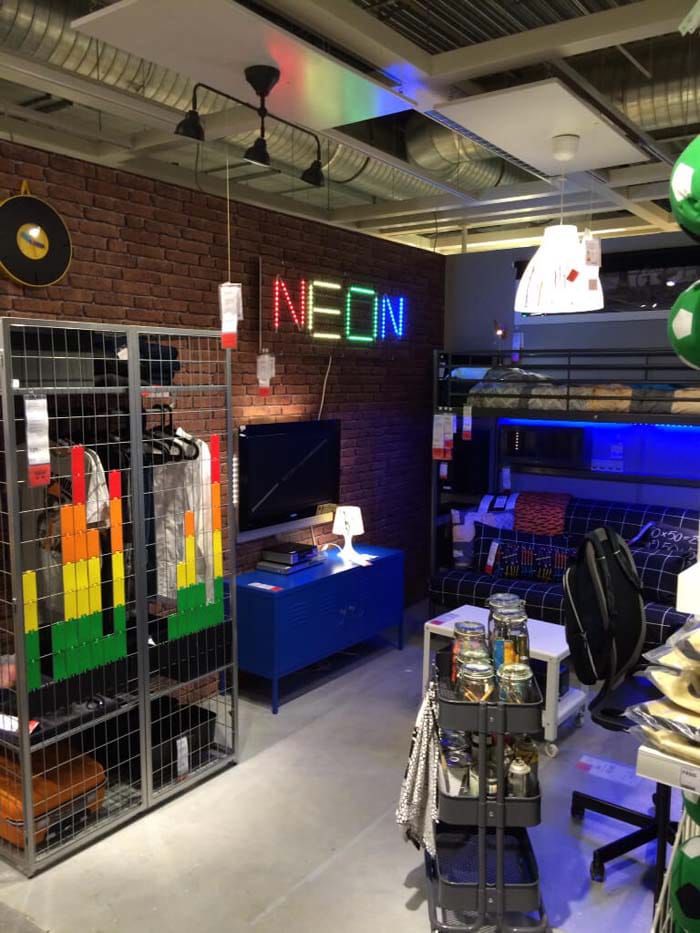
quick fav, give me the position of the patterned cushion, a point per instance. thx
(658, 572)
(523, 555)
(669, 539)
(542, 513)
(583, 515)
(544, 601)
(464, 530)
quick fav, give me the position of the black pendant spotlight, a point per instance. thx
(191, 126)
(262, 78)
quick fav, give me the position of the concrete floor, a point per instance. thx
(300, 837)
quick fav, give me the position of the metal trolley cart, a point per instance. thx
(117, 636)
(485, 874)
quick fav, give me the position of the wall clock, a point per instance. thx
(35, 246)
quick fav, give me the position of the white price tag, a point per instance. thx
(438, 438)
(593, 252)
(467, 423)
(690, 778)
(183, 756)
(491, 559)
(36, 414)
(231, 307)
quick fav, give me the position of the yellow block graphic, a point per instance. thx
(190, 561)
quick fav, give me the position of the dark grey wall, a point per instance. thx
(480, 288)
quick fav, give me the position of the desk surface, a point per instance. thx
(274, 584)
(547, 639)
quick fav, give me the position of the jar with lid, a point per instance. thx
(515, 622)
(501, 602)
(525, 748)
(516, 683)
(476, 681)
(470, 642)
(457, 775)
(452, 741)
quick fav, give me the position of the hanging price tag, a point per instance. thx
(231, 307)
(467, 423)
(36, 414)
(450, 428)
(491, 559)
(505, 480)
(438, 438)
(593, 251)
(444, 471)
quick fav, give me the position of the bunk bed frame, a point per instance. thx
(633, 386)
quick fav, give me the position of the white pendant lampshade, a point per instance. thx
(348, 522)
(558, 278)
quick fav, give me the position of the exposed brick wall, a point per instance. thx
(152, 253)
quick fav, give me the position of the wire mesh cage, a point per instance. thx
(117, 642)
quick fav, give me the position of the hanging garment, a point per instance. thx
(179, 487)
(41, 525)
(417, 811)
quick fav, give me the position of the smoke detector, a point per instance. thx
(565, 147)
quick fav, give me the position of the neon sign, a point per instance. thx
(328, 310)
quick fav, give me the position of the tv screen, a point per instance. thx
(286, 471)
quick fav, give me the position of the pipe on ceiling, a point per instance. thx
(41, 29)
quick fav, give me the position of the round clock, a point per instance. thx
(35, 246)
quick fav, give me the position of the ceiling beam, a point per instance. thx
(530, 236)
(646, 210)
(642, 20)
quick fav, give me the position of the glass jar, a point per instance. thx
(525, 748)
(501, 602)
(502, 645)
(516, 683)
(470, 641)
(476, 681)
(458, 767)
(515, 622)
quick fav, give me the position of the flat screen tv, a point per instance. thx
(286, 471)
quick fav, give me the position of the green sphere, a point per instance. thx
(684, 326)
(685, 886)
(684, 189)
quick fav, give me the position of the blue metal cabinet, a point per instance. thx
(286, 623)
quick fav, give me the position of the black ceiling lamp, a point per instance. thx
(262, 78)
(191, 126)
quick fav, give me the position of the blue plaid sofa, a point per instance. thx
(452, 588)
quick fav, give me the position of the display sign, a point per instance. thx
(330, 310)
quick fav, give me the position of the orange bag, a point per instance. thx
(64, 783)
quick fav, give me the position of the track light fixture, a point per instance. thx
(262, 78)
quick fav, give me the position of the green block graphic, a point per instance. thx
(120, 641)
(219, 590)
(84, 624)
(58, 637)
(110, 647)
(33, 675)
(120, 618)
(199, 595)
(60, 667)
(95, 627)
(219, 611)
(97, 653)
(71, 634)
(32, 646)
(174, 626)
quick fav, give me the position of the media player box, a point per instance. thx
(272, 566)
(291, 553)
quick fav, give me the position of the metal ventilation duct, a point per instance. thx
(41, 30)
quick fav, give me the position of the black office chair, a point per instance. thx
(607, 710)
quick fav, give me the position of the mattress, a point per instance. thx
(518, 389)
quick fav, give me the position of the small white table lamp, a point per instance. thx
(348, 522)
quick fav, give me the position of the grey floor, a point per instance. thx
(300, 836)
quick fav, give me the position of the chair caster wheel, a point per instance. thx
(551, 750)
(597, 871)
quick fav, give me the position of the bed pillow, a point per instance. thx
(464, 522)
(669, 539)
(658, 572)
(523, 555)
(542, 513)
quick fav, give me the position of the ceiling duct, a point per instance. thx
(41, 30)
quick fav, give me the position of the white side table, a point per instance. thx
(547, 643)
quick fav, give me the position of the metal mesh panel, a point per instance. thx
(120, 657)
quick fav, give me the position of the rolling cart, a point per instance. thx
(485, 872)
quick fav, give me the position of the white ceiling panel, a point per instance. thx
(523, 120)
(213, 41)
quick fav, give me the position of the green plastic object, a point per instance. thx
(684, 189)
(684, 326)
(685, 886)
(691, 802)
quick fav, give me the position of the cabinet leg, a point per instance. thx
(275, 695)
